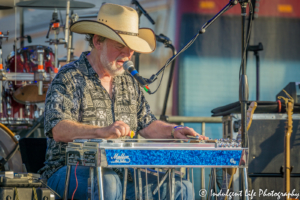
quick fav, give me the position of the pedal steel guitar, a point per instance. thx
(192, 153)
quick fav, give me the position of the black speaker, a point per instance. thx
(33, 151)
(266, 150)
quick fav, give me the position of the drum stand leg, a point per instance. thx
(100, 183)
(67, 182)
(92, 182)
(125, 182)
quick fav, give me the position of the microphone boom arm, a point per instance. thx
(201, 31)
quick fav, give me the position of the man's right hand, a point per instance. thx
(116, 130)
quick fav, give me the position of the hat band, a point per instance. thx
(127, 33)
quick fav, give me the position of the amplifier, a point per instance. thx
(23, 186)
(266, 141)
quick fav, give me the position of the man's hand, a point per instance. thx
(116, 130)
(182, 132)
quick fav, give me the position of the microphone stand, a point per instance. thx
(168, 44)
(140, 11)
(256, 49)
(244, 95)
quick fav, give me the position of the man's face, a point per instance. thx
(113, 55)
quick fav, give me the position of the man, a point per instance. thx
(93, 98)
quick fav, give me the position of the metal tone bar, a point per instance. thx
(146, 174)
(92, 182)
(140, 185)
(158, 183)
(100, 183)
(67, 182)
(162, 181)
(246, 197)
(125, 182)
(135, 190)
(173, 184)
(184, 119)
(193, 183)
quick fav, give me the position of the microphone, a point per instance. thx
(163, 39)
(128, 66)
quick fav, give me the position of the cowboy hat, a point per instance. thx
(119, 23)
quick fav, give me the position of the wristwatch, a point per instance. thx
(174, 128)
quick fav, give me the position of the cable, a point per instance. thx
(76, 181)
(159, 82)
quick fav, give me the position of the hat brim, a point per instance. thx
(145, 42)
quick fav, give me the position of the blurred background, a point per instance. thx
(206, 75)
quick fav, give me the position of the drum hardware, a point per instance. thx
(1, 66)
(16, 138)
(10, 156)
(40, 71)
(57, 4)
(55, 26)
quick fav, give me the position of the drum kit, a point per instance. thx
(25, 77)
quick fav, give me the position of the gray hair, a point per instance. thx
(89, 37)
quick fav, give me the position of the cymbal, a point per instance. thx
(64, 59)
(29, 94)
(58, 4)
(5, 7)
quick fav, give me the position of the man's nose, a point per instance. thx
(127, 52)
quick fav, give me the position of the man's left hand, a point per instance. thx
(183, 132)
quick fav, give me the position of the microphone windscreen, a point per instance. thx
(127, 64)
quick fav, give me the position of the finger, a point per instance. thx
(189, 131)
(125, 127)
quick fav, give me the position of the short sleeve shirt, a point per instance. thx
(76, 94)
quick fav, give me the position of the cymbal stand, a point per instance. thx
(54, 26)
(74, 18)
(2, 72)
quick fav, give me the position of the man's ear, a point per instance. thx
(97, 44)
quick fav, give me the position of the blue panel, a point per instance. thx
(173, 157)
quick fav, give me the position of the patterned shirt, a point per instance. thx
(76, 94)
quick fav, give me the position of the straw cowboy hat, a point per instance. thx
(119, 23)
